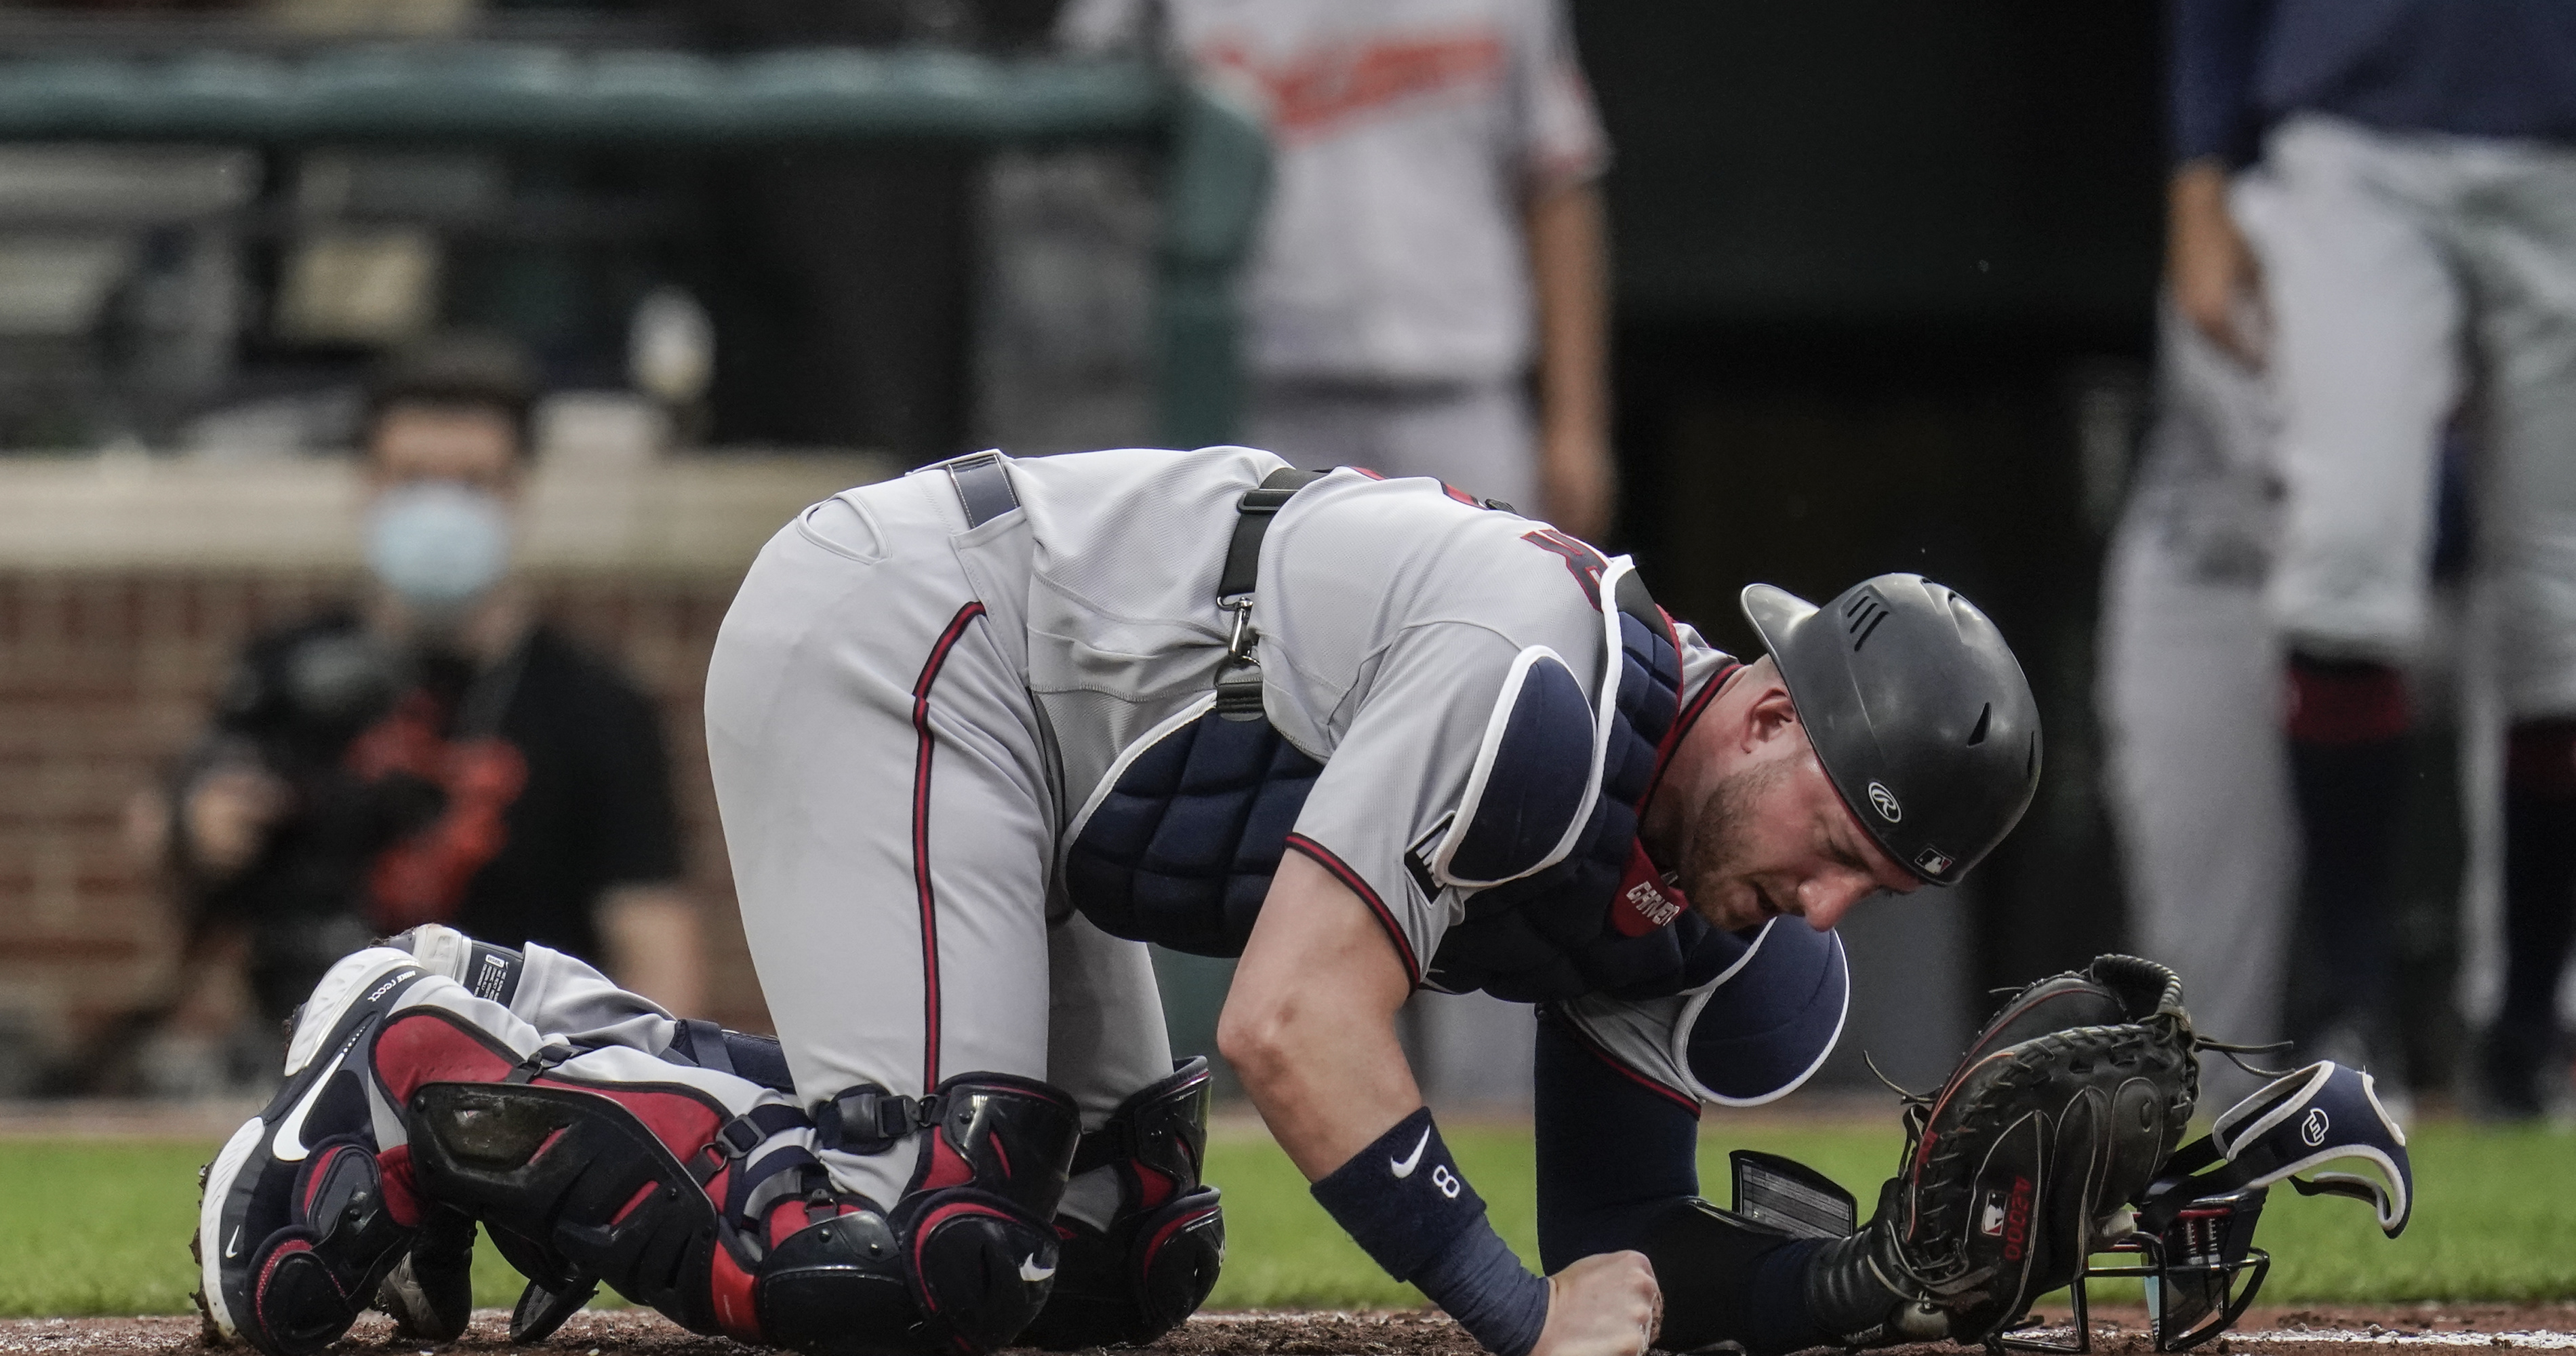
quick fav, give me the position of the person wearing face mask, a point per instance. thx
(433, 752)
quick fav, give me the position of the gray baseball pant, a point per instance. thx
(891, 809)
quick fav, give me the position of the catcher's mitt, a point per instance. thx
(2062, 1111)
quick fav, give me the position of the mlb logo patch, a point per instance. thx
(1990, 1221)
(1932, 861)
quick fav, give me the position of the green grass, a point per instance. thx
(102, 1227)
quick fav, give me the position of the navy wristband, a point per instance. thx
(1482, 1284)
(1403, 1201)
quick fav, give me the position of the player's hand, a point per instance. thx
(2216, 280)
(1604, 1305)
(227, 817)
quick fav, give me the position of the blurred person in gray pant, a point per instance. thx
(2190, 698)
(2375, 205)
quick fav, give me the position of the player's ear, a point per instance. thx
(1770, 716)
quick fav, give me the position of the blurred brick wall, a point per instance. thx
(106, 676)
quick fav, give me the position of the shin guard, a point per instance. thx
(1158, 1258)
(643, 1186)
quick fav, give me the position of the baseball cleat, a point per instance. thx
(430, 1292)
(294, 1225)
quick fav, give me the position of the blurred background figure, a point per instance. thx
(432, 752)
(842, 277)
(2376, 205)
(1434, 229)
(2190, 697)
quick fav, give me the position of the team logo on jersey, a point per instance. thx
(1884, 801)
(1652, 904)
(2313, 1129)
(1646, 901)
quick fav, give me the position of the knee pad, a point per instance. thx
(1158, 1258)
(965, 1259)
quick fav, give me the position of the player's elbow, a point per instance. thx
(1256, 1034)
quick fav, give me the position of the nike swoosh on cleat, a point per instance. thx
(289, 1144)
(1032, 1273)
(1404, 1166)
(232, 1248)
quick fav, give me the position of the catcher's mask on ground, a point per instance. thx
(2321, 1129)
(1918, 710)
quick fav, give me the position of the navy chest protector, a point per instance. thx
(1178, 843)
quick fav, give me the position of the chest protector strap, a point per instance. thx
(1238, 680)
(1177, 844)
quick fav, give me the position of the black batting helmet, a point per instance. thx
(1918, 711)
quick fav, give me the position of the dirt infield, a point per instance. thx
(2313, 1331)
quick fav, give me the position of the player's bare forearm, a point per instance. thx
(1569, 275)
(2209, 267)
(1309, 1024)
(654, 947)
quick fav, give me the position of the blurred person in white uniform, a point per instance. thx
(1433, 248)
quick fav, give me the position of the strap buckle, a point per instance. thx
(739, 1136)
(1238, 644)
(541, 1062)
(869, 1120)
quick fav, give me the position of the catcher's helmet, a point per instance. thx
(1916, 708)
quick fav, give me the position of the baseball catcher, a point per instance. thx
(2053, 1140)
(981, 733)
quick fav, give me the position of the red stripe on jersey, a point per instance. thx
(1341, 870)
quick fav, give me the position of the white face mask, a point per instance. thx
(437, 543)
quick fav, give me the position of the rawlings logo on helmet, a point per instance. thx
(1884, 801)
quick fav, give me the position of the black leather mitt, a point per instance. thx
(2061, 1112)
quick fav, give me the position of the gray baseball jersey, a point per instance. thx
(906, 711)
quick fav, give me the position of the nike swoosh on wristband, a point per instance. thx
(1032, 1273)
(289, 1144)
(1404, 1166)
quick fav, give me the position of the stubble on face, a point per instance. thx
(1717, 855)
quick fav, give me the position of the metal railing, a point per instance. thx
(1215, 157)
